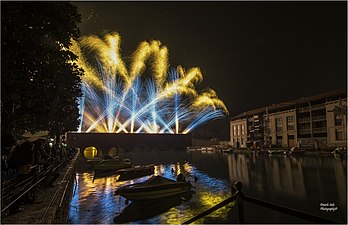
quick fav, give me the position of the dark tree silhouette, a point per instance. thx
(40, 80)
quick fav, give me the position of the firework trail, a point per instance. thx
(117, 99)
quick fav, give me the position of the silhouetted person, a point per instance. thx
(8, 143)
(11, 167)
(42, 159)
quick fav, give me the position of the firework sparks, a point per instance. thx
(117, 99)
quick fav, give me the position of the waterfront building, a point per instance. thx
(318, 121)
(238, 132)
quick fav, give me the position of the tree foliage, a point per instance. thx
(40, 81)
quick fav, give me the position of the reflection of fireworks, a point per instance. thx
(116, 100)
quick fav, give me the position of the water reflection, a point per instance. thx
(93, 201)
(302, 183)
(143, 210)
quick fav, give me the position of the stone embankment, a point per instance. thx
(51, 205)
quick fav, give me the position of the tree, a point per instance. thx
(40, 80)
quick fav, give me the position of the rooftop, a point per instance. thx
(328, 96)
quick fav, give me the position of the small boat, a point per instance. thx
(135, 172)
(295, 151)
(208, 149)
(226, 150)
(274, 152)
(112, 164)
(192, 148)
(341, 152)
(154, 188)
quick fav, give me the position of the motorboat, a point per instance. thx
(192, 148)
(112, 164)
(226, 149)
(274, 152)
(127, 173)
(154, 188)
(208, 149)
(135, 172)
(296, 151)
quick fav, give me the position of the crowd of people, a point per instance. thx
(23, 159)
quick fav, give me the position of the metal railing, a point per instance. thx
(314, 118)
(313, 107)
(303, 120)
(319, 118)
(65, 182)
(12, 190)
(240, 197)
(305, 131)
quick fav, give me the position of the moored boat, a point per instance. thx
(154, 188)
(112, 164)
(192, 148)
(274, 152)
(135, 172)
(296, 151)
(226, 150)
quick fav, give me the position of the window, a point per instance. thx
(290, 122)
(238, 129)
(290, 119)
(243, 129)
(279, 124)
(338, 121)
(339, 135)
(234, 130)
(279, 140)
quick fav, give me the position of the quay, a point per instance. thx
(51, 205)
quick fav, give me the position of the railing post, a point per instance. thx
(240, 203)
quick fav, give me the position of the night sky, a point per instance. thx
(251, 53)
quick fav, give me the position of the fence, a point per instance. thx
(13, 190)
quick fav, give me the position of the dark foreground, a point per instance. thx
(51, 204)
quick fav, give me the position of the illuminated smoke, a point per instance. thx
(118, 99)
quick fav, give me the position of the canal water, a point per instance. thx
(304, 183)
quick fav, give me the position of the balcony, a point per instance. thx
(316, 107)
(303, 120)
(319, 118)
(315, 130)
(319, 129)
(305, 131)
(313, 107)
(303, 109)
(314, 119)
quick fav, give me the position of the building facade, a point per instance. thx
(282, 127)
(238, 133)
(318, 121)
